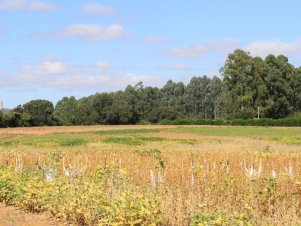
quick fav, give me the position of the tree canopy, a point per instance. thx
(246, 87)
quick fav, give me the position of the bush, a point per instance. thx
(163, 113)
(83, 199)
(290, 122)
(245, 114)
(131, 209)
(144, 122)
(221, 218)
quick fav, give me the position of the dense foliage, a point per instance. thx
(249, 87)
(38, 191)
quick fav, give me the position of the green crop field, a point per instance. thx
(236, 131)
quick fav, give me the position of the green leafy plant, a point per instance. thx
(216, 218)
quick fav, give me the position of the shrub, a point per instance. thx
(245, 114)
(83, 200)
(221, 218)
(131, 209)
(290, 121)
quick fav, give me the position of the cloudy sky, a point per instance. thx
(51, 49)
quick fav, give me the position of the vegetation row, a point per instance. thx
(247, 88)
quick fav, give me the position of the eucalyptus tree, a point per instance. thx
(172, 95)
(85, 113)
(197, 97)
(66, 111)
(279, 71)
(215, 90)
(101, 103)
(238, 76)
(294, 94)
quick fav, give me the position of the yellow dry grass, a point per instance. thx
(210, 174)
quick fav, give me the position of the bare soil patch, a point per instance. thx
(12, 216)
(68, 129)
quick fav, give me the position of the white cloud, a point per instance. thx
(132, 78)
(152, 40)
(199, 50)
(93, 32)
(179, 67)
(175, 67)
(49, 67)
(58, 75)
(276, 47)
(95, 9)
(257, 48)
(30, 5)
(87, 81)
(103, 66)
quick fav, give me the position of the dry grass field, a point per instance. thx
(154, 175)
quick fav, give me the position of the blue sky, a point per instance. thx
(51, 49)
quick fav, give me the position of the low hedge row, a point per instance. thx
(287, 122)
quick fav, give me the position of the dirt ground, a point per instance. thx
(12, 216)
(68, 129)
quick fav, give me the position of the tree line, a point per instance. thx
(248, 87)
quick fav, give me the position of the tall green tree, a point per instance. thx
(131, 96)
(238, 74)
(215, 90)
(279, 71)
(172, 95)
(40, 112)
(294, 94)
(119, 113)
(198, 102)
(86, 114)
(66, 111)
(149, 99)
(101, 104)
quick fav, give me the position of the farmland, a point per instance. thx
(154, 175)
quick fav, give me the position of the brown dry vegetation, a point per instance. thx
(67, 129)
(193, 174)
(12, 216)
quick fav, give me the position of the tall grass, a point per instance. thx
(213, 181)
